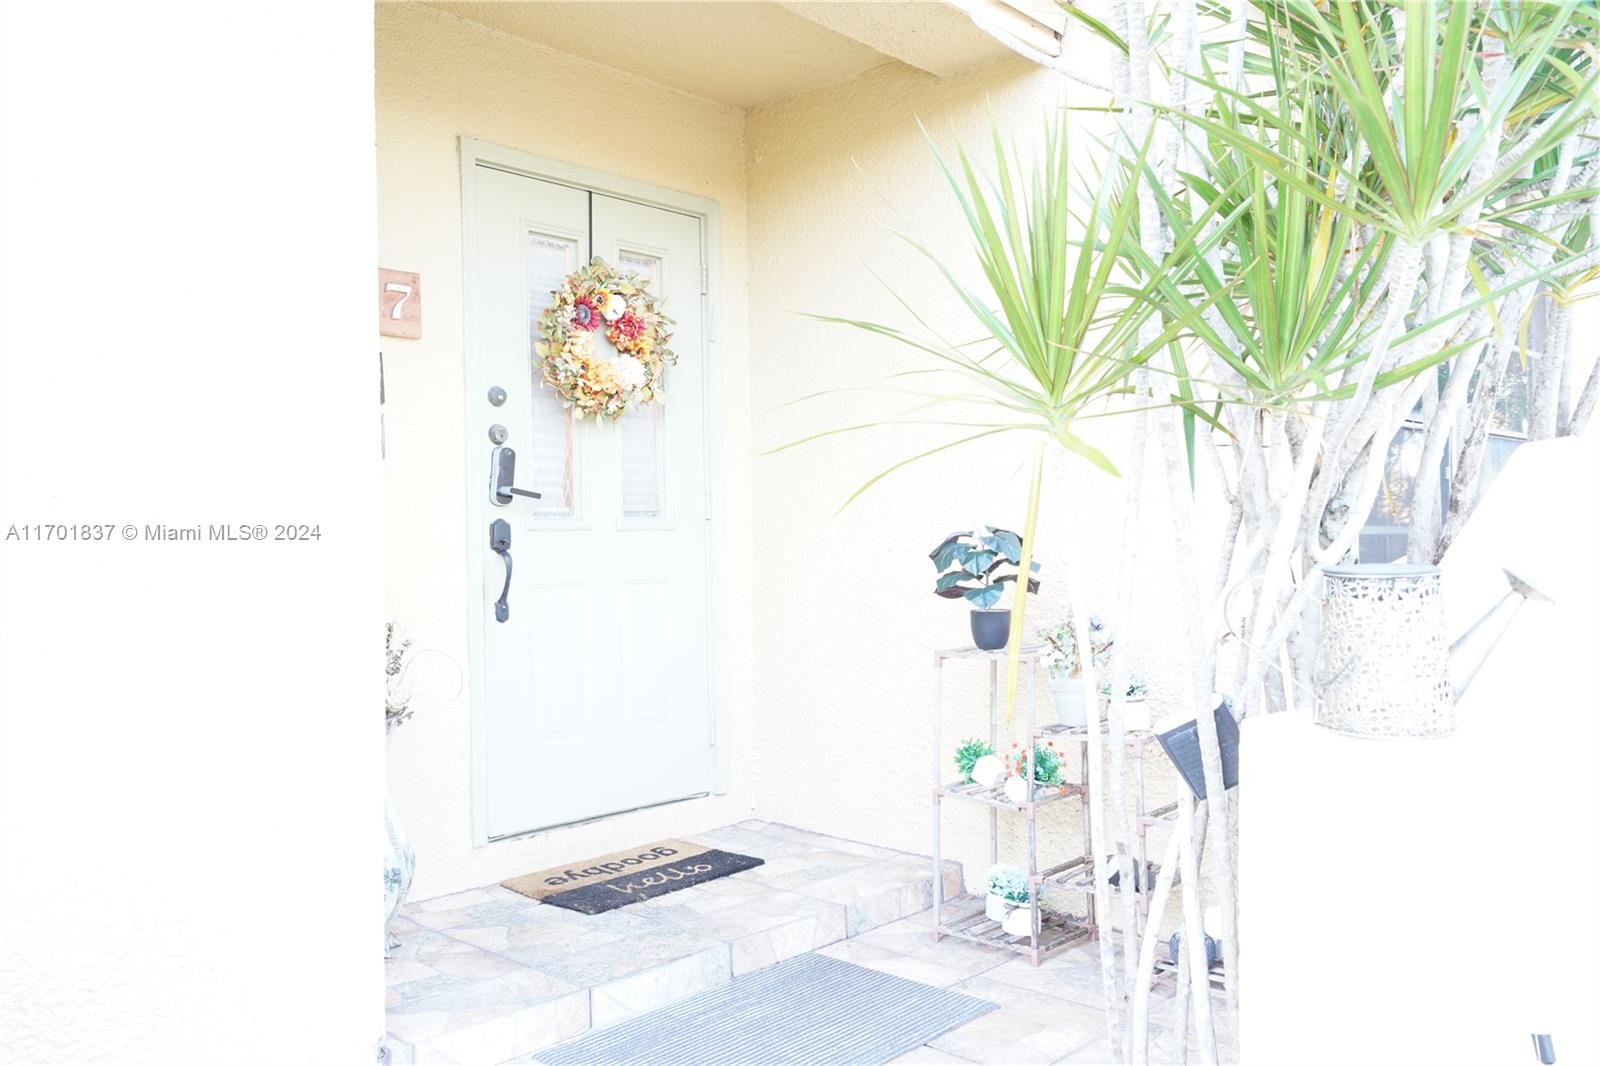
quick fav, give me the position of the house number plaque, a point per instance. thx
(399, 303)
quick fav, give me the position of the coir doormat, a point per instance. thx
(623, 877)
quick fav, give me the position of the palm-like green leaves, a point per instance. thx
(1062, 321)
(1294, 294)
(1321, 167)
(1060, 317)
(1410, 161)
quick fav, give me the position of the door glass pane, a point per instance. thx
(548, 463)
(641, 433)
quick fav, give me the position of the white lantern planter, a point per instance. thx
(1383, 657)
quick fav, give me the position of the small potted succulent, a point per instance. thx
(977, 762)
(1060, 657)
(1046, 772)
(1008, 889)
(976, 566)
(1135, 707)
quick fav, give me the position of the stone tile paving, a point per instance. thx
(488, 976)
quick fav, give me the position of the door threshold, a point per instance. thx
(597, 818)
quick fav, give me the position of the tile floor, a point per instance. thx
(488, 976)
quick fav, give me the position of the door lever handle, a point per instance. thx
(500, 544)
(503, 470)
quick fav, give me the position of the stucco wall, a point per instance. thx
(845, 619)
(438, 78)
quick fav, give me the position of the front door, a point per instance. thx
(596, 684)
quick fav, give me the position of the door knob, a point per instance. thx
(503, 470)
(500, 544)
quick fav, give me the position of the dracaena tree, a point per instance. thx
(1378, 198)
(1066, 329)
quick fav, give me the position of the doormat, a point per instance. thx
(623, 877)
(809, 1011)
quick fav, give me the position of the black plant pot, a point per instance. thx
(991, 629)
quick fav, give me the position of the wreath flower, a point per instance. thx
(585, 315)
(567, 352)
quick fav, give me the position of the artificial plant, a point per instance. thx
(968, 754)
(978, 564)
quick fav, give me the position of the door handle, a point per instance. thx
(500, 544)
(503, 470)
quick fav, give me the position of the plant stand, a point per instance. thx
(1050, 932)
(1080, 876)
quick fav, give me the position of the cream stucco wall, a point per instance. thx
(845, 621)
(439, 78)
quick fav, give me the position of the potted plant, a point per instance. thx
(1060, 656)
(1008, 888)
(977, 755)
(400, 860)
(1135, 708)
(1046, 771)
(975, 565)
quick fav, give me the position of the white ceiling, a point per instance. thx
(744, 52)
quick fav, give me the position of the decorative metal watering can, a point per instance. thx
(1385, 668)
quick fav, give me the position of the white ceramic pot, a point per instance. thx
(1019, 922)
(1136, 713)
(995, 907)
(988, 771)
(1067, 692)
(1016, 790)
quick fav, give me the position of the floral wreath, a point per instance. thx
(592, 298)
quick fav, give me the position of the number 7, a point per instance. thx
(405, 294)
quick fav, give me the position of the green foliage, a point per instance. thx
(1061, 322)
(397, 707)
(968, 754)
(1008, 882)
(969, 564)
(1313, 173)
(1047, 763)
(1138, 688)
(1060, 651)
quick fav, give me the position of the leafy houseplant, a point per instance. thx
(400, 859)
(1046, 763)
(1047, 767)
(1135, 710)
(976, 566)
(397, 697)
(1009, 883)
(1060, 653)
(968, 754)
(1060, 657)
(1008, 900)
(1138, 688)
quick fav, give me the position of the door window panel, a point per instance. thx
(641, 433)
(550, 464)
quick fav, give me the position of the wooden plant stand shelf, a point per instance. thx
(1050, 932)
